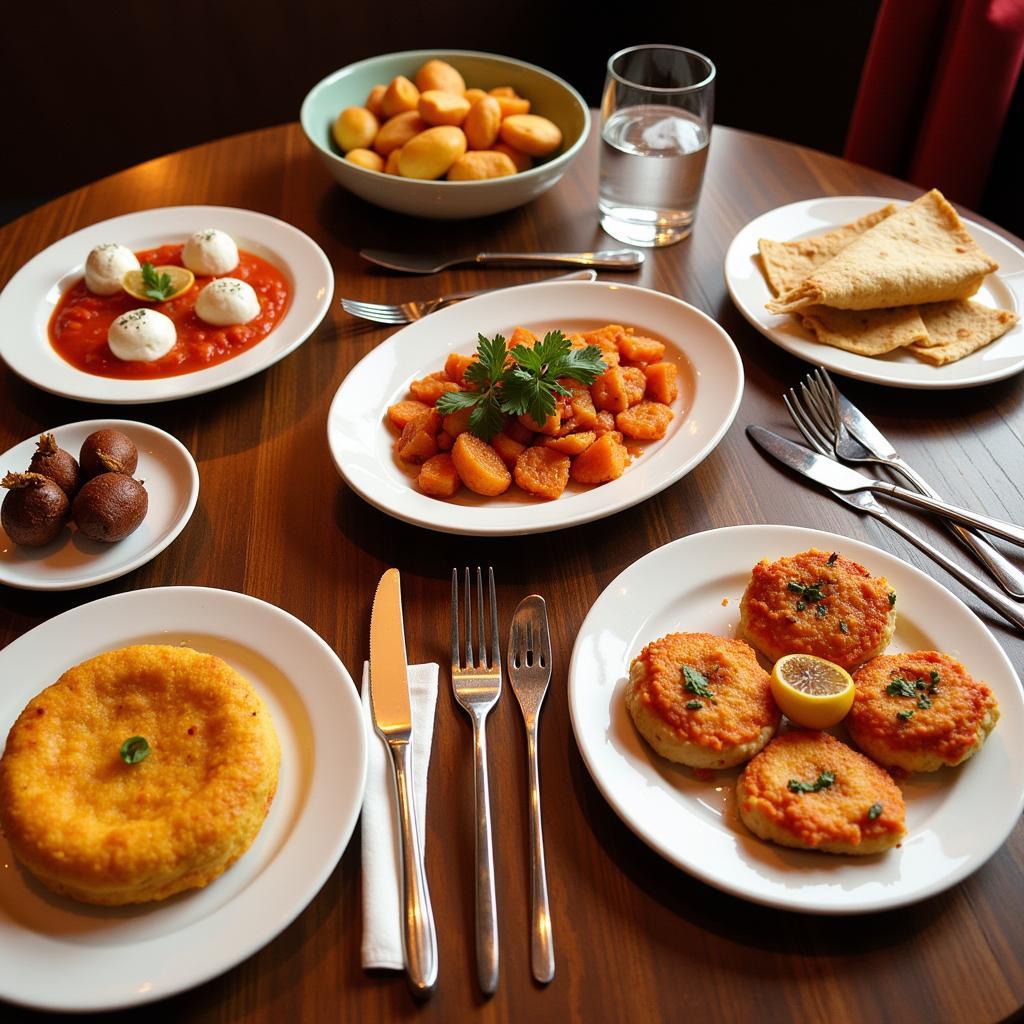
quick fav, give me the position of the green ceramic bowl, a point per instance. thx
(549, 96)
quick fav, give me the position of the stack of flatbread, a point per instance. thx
(896, 278)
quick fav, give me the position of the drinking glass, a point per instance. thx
(656, 115)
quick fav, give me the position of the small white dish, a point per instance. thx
(72, 561)
(28, 301)
(749, 290)
(57, 954)
(362, 442)
(956, 818)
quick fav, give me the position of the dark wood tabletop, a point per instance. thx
(636, 938)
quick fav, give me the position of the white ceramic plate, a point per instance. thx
(30, 297)
(956, 818)
(56, 954)
(749, 290)
(72, 561)
(362, 443)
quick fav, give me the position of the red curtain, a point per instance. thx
(935, 91)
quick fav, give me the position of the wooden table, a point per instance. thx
(636, 939)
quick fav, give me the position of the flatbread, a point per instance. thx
(868, 332)
(956, 329)
(922, 253)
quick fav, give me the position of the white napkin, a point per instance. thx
(382, 856)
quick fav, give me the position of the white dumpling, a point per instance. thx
(106, 266)
(142, 334)
(210, 252)
(227, 301)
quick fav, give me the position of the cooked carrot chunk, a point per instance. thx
(604, 460)
(507, 448)
(542, 471)
(583, 411)
(419, 437)
(455, 366)
(571, 444)
(635, 382)
(518, 432)
(438, 477)
(400, 413)
(605, 422)
(647, 421)
(661, 382)
(639, 349)
(445, 441)
(430, 389)
(479, 466)
(550, 426)
(522, 336)
(609, 391)
(456, 422)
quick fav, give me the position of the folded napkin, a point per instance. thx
(382, 857)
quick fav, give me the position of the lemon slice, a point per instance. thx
(180, 282)
(812, 691)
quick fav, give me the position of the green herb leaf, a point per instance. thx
(797, 588)
(696, 682)
(134, 749)
(905, 715)
(483, 377)
(823, 781)
(832, 558)
(693, 705)
(923, 701)
(821, 611)
(156, 286)
(843, 627)
(892, 598)
(801, 605)
(900, 687)
(874, 811)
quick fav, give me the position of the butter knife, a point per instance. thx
(392, 717)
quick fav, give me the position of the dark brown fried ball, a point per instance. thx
(34, 510)
(60, 466)
(115, 446)
(110, 506)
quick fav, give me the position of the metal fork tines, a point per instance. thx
(529, 672)
(476, 684)
(851, 436)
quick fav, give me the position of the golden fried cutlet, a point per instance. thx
(701, 700)
(818, 602)
(90, 825)
(810, 791)
(920, 711)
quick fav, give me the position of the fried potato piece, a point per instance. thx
(438, 477)
(604, 460)
(479, 466)
(646, 421)
(542, 471)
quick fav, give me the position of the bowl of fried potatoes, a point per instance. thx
(445, 134)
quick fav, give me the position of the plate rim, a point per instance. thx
(225, 956)
(114, 391)
(801, 535)
(740, 248)
(500, 529)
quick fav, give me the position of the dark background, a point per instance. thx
(92, 88)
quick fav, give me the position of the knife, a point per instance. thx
(838, 477)
(389, 701)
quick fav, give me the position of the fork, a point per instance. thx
(864, 502)
(529, 672)
(477, 686)
(835, 415)
(417, 309)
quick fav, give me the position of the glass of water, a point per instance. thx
(656, 116)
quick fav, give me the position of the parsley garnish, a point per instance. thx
(843, 627)
(134, 749)
(527, 384)
(935, 677)
(874, 811)
(900, 687)
(923, 701)
(905, 715)
(892, 598)
(832, 558)
(697, 683)
(821, 611)
(801, 605)
(823, 781)
(157, 286)
(693, 705)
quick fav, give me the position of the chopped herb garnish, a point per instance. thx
(832, 558)
(526, 385)
(697, 683)
(801, 605)
(823, 781)
(821, 611)
(156, 286)
(919, 684)
(923, 701)
(874, 811)
(905, 715)
(797, 588)
(935, 677)
(843, 627)
(900, 687)
(892, 598)
(693, 705)
(134, 749)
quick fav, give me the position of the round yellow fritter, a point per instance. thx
(920, 711)
(90, 826)
(818, 602)
(701, 700)
(810, 791)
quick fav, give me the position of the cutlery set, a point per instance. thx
(834, 428)
(476, 687)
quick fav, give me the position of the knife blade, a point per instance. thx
(838, 477)
(392, 717)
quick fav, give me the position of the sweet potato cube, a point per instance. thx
(457, 422)
(571, 444)
(635, 382)
(508, 449)
(445, 441)
(550, 426)
(479, 466)
(542, 471)
(419, 437)
(438, 477)
(456, 364)
(661, 382)
(518, 432)
(605, 422)
(583, 411)
(400, 413)
(609, 391)
(522, 336)
(604, 460)
(647, 421)
(639, 349)
(431, 388)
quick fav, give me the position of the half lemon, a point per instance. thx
(811, 691)
(179, 280)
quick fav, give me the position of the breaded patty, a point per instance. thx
(810, 791)
(90, 825)
(920, 711)
(820, 603)
(701, 700)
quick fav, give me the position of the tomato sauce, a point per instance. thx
(79, 324)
